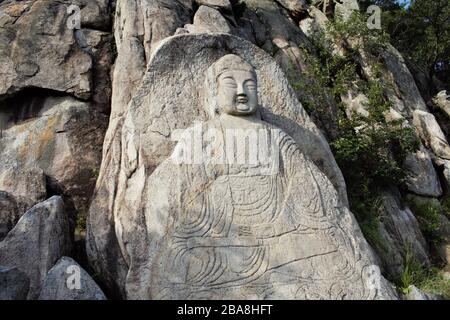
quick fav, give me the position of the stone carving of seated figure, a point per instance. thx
(225, 225)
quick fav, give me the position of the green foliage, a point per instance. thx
(369, 157)
(81, 223)
(369, 150)
(355, 30)
(327, 75)
(413, 273)
(446, 206)
(421, 32)
(95, 173)
(435, 283)
(370, 218)
(428, 280)
(428, 213)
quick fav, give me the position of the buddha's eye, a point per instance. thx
(229, 83)
(251, 85)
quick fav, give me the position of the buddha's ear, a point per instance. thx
(210, 103)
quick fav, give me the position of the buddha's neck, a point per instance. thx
(231, 121)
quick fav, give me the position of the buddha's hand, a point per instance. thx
(264, 230)
(257, 231)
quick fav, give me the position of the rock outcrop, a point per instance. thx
(399, 234)
(14, 284)
(38, 240)
(144, 142)
(415, 293)
(69, 65)
(68, 281)
(11, 209)
(55, 92)
(422, 178)
(442, 100)
(62, 140)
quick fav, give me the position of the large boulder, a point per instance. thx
(43, 47)
(56, 144)
(345, 8)
(38, 240)
(11, 209)
(422, 178)
(34, 39)
(399, 233)
(414, 293)
(431, 133)
(20, 189)
(138, 27)
(408, 98)
(14, 284)
(208, 20)
(216, 4)
(442, 100)
(295, 7)
(68, 281)
(142, 140)
(28, 182)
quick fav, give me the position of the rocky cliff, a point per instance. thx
(87, 111)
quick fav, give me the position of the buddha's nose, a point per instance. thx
(241, 95)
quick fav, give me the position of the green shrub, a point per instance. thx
(446, 206)
(413, 273)
(355, 29)
(427, 212)
(427, 280)
(81, 223)
(370, 217)
(369, 150)
(436, 283)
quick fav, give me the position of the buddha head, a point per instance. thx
(232, 87)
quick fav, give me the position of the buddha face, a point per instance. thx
(237, 93)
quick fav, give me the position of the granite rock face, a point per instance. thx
(35, 38)
(144, 144)
(68, 281)
(422, 178)
(24, 182)
(208, 20)
(431, 133)
(60, 140)
(415, 293)
(14, 284)
(11, 209)
(55, 92)
(442, 100)
(139, 26)
(39, 239)
(400, 232)
(60, 82)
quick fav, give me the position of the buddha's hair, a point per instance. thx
(226, 63)
(231, 62)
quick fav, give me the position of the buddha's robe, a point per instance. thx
(234, 231)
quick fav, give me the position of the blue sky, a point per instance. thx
(407, 2)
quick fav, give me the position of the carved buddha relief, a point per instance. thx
(230, 230)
